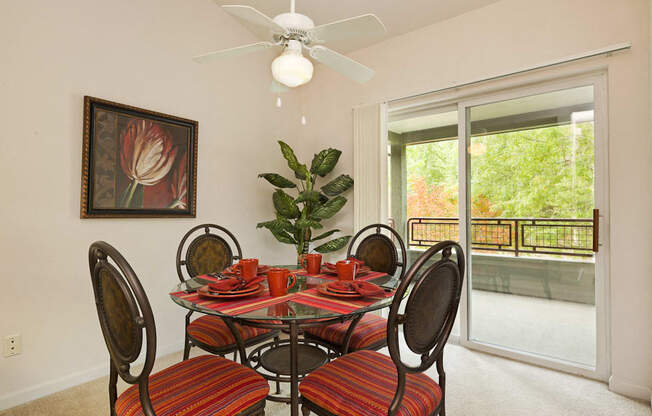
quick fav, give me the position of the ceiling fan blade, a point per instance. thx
(365, 25)
(258, 23)
(278, 88)
(342, 64)
(232, 52)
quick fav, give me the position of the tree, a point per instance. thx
(545, 173)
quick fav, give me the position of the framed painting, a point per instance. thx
(137, 163)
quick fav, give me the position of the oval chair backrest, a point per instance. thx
(433, 296)
(124, 313)
(207, 252)
(378, 251)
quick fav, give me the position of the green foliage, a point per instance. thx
(307, 196)
(300, 171)
(544, 173)
(324, 235)
(277, 180)
(297, 217)
(324, 162)
(338, 185)
(329, 209)
(285, 205)
(333, 245)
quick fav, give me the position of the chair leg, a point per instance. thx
(235, 356)
(278, 383)
(305, 411)
(442, 383)
(186, 348)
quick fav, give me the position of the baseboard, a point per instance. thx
(19, 397)
(625, 388)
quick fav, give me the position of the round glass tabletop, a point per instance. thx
(303, 301)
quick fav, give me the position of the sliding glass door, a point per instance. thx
(519, 179)
(532, 198)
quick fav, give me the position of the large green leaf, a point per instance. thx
(329, 209)
(308, 196)
(300, 170)
(303, 224)
(278, 180)
(333, 245)
(326, 234)
(285, 205)
(284, 237)
(324, 162)
(279, 224)
(338, 185)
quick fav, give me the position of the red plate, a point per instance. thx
(336, 290)
(235, 292)
(207, 292)
(323, 289)
(330, 268)
(262, 269)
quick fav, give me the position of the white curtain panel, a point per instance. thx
(369, 165)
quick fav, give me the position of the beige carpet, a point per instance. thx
(478, 384)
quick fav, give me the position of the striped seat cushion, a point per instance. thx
(204, 385)
(370, 331)
(213, 331)
(363, 383)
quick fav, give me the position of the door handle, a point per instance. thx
(596, 230)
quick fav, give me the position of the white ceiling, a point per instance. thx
(398, 16)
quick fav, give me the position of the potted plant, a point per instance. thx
(297, 216)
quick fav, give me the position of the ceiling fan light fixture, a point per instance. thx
(291, 68)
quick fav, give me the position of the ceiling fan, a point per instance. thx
(293, 32)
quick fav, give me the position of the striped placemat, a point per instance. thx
(235, 306)
(339, 305)
(331, 276)
(309, 297)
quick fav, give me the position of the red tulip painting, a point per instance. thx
(147, 155)
(137, 163)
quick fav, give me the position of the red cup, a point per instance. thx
(247, 268)
(346, 269)
(277, 280)
(312, 263)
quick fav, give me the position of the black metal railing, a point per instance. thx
(560, 236)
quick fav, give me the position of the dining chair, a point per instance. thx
(368, 383)
(207, 252)
(200, 386)
(367, 331)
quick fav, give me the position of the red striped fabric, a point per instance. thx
(201, 386)
(236, 306)
(371, 330)
(340, 305)
(363, 383)
(333, 276)
(212, 330)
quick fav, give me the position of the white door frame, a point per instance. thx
(601, 195)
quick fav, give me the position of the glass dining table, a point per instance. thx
(305, 305)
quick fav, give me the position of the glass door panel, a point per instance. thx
(531, 166)
(423, 180)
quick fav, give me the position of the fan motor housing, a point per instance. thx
(295, 22)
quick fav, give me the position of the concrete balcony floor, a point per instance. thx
(553, 328)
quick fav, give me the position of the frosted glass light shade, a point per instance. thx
(291, 68)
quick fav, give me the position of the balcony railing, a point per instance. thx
(558, 236)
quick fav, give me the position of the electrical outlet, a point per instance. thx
(11, 345)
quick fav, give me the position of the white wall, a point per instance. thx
(510, 35)
(52, 53)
